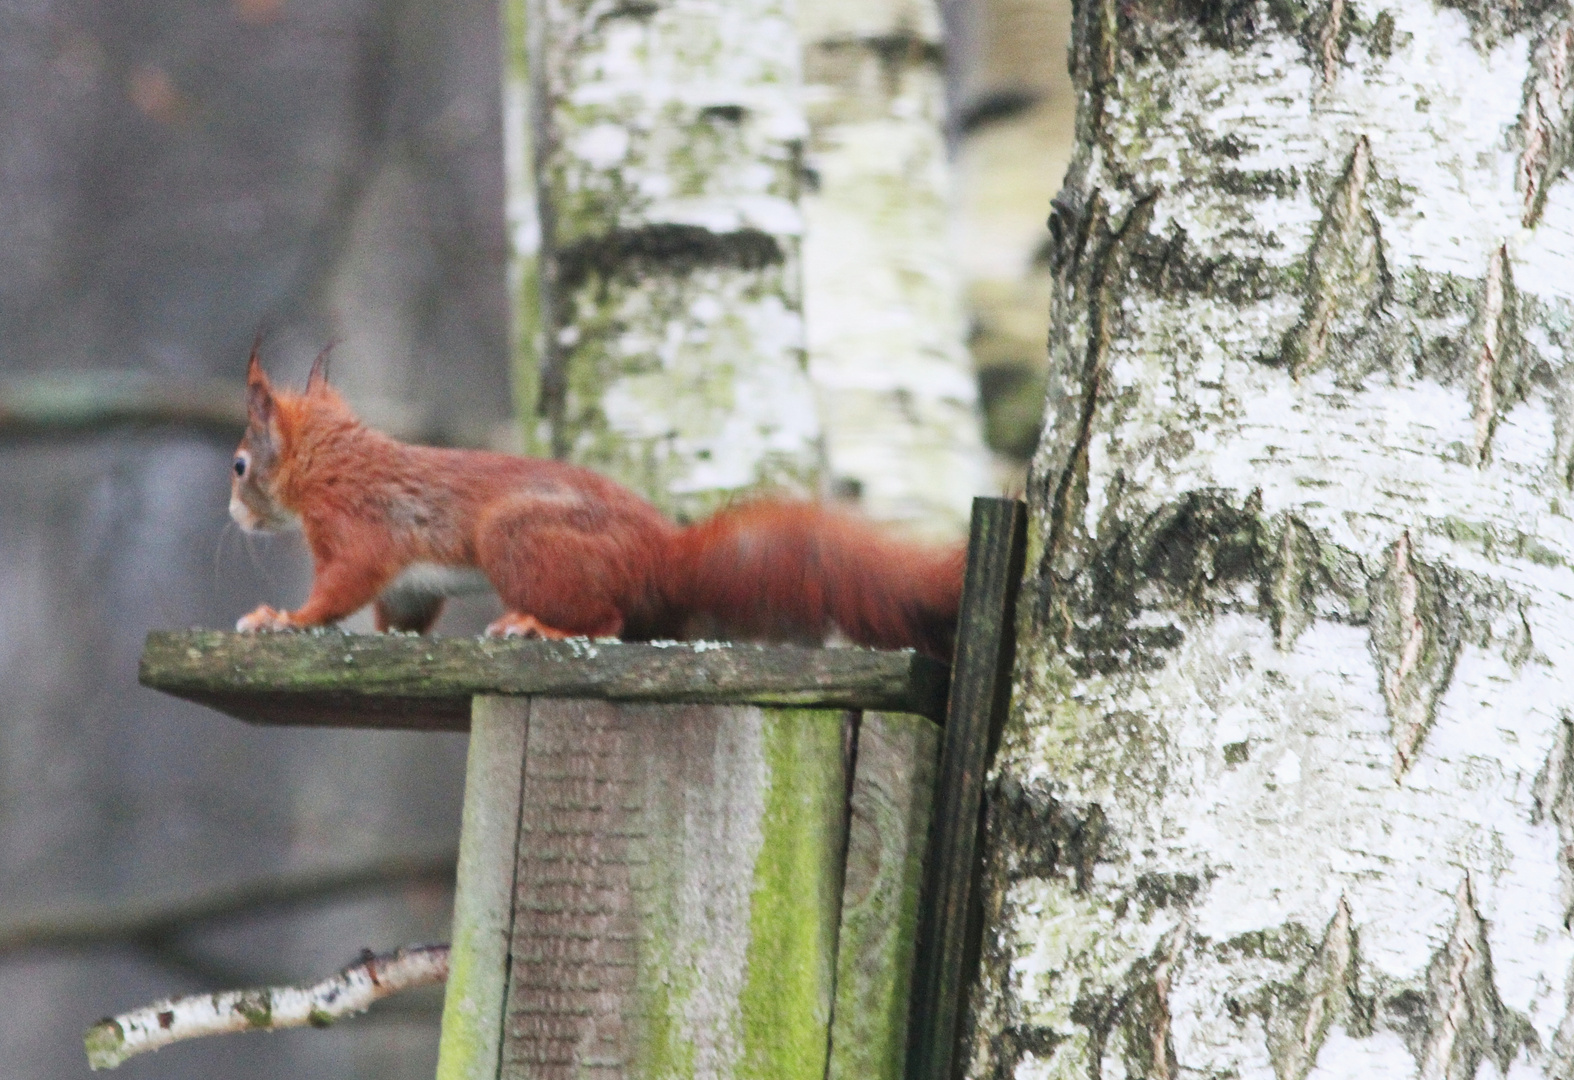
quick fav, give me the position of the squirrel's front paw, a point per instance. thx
(264, 618)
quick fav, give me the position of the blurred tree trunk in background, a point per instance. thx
(1012, 120)
(663, 344)
(172, 176)
(883, 298)
(1286, 790)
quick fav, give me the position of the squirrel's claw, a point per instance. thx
(264, 618)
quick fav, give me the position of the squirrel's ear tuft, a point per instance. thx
(255, 376)
(259, 394)
(318, 379)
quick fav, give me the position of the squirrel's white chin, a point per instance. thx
(253, 522)
(243, 516)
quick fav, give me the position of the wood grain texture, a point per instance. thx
(677, 893)
(402, 681)
(888, 823)
(949, 923)
(471, 1044)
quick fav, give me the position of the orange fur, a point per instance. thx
(568, 551)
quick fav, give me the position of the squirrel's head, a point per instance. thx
(255, 501)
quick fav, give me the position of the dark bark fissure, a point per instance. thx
(664, 248)
(1554, 799)
(1421, 617)
(1347, 279)
(1108, 265)
(1458, 1019)
(1137, 1016)
(1212, 552)
(1324, 990)
(1495, 356)
(1172, 266)
(1544, 133)
(1010, 1046)
(1296, 576)
(1161, 31)
(1203, 554)
(1417, 628)
(1034, 835)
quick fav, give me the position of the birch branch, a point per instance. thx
(353, 990)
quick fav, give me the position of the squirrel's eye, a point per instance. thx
(240, 465)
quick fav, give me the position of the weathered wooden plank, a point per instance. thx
(892, 794)
(394, 680)
(472, 1037)
(949, 921)
(678, 884)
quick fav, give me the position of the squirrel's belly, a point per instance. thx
(424, 579)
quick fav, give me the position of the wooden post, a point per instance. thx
(892, 793)
(678, 887)
(666, 870)
(949, 926)
(472, 1039)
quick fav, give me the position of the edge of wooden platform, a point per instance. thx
(329, 678)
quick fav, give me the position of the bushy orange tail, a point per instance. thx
(793, 571)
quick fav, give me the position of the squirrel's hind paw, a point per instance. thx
(264, 618)
(511, 625)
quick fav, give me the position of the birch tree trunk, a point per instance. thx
(660, 330)
(886, 328)
(1288, 788)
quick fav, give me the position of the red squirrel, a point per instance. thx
(568, 551)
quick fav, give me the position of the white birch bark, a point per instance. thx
(883, 298)
(664, 145)
(1288, 788)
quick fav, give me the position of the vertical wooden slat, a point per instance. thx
(471, 1040)
(949, 927)
(678, 878)
(892, 796)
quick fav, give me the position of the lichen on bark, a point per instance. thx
(1299, 572)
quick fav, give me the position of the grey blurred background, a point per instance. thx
(174, 176)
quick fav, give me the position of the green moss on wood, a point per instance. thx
(665, 1052)
(786, 1000)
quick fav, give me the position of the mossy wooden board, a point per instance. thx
(888, 828)
(394, 680)
(675, 892)
(484, 893)
(689, 896)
